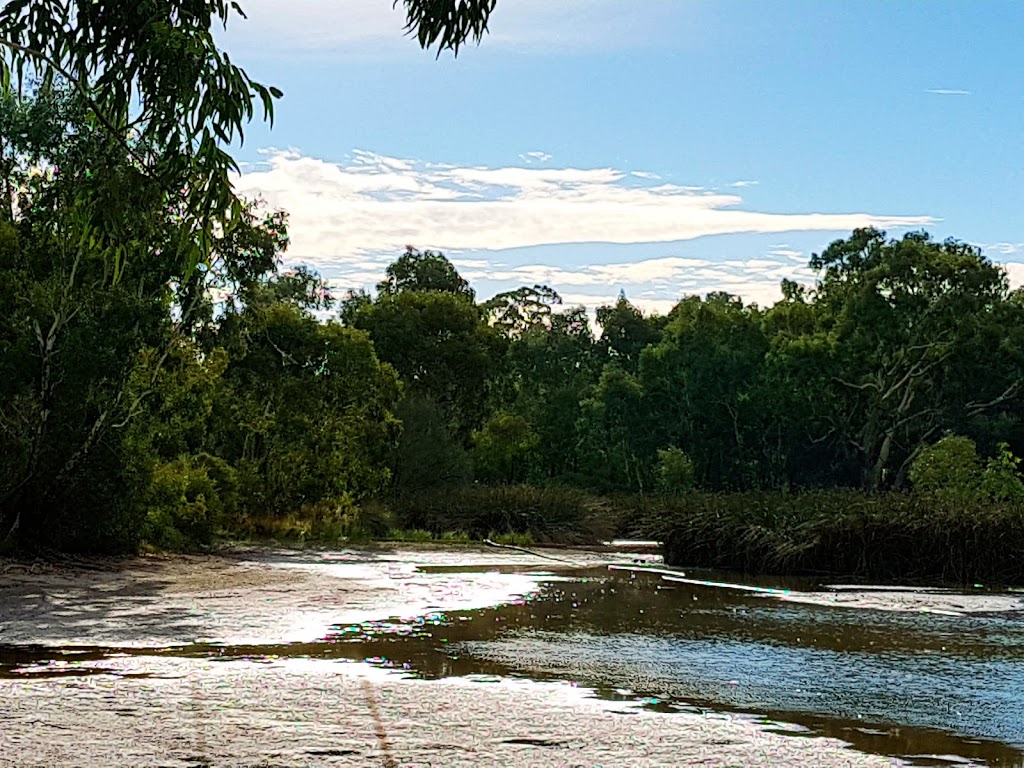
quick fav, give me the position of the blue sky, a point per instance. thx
(664, 147)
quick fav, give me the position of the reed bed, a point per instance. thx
(843, 533)
(547, 514)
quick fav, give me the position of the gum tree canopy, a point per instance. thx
(153, 75)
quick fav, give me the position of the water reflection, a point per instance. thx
(928, 686)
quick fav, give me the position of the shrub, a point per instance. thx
(674, 470)
(949, 468)
(186, 501)
(502, 448)
(549, 514)
(1001, 479)
(327, 521)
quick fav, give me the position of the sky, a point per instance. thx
(659, 147)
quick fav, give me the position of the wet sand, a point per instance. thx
(186, 712)
(127, 703)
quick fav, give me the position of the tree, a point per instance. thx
(424, 271)
(549, 369)
(698, 381)
(307, 408)
(152, 70)
(123, 246)
(440, 346)
(502, 446)
(911, 319)
(80, 302)
(427, 455)
(516, 312)
(625, 332)
(615, 440)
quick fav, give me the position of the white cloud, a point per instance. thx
(1015, 273)
(372, 205)
(998, 252)
(316, 24)
(535, 157)
(740, 184)
(947, 92)
(787, 252)
(351, 219)
(1003, 249)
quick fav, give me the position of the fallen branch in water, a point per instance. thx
(490, 543)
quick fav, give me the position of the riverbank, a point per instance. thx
(110, 626)
(176, 712)
(841, 534)
(475, 656)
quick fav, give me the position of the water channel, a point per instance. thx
(930, 677)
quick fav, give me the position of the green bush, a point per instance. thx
(1001, 479)
(950, 467)
(501, 450)
(327, 521)
(674, 470)
(548, 514)
(186, 501)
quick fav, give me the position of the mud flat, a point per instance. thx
(176, 712)
(468, 657)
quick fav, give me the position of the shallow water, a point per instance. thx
(899, 677)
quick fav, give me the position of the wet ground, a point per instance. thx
(497, 658)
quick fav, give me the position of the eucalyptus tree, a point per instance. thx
(698, 381)
(550, 368)
(626, 332)
(912, 323)
(155, 80)
(423, 271)
(118, 218)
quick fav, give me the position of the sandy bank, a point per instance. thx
(144, 710)
(186, 712)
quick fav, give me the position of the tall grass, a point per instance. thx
(547, 515)
(843, 533)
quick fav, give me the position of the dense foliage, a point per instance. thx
(163, 379)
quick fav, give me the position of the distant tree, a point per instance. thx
(424, 271)
(698, 380)
(625, 332)
(427, 454)
(516, 312)
(549, 369)
(911, 321)
(615, 441)
(440, 346)
(502, 447)
(306, 411)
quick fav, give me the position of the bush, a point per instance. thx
(674, 470)
(1001, 479)
(552, 514)
(501, 450)
(327, 521)
(949, 468)
(186, 501)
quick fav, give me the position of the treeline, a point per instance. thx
(847, 384)
(149, 395)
